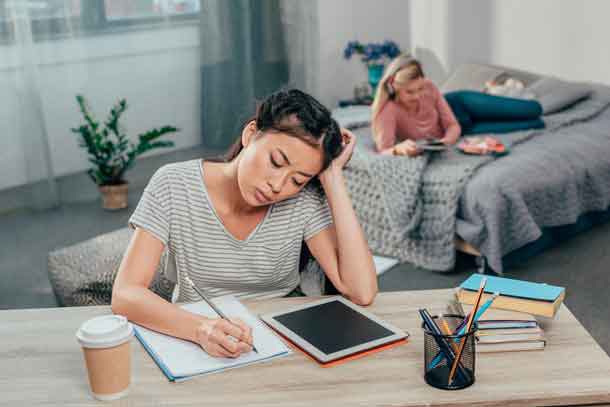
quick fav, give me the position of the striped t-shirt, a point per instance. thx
(175, 207)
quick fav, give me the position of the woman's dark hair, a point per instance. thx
(296, 114)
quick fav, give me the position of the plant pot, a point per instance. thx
(114, 196)
(375, 72)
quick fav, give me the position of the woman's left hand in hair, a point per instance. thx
(348, 142)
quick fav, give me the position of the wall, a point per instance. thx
(566, 38)
(156, 70)
(347, 20)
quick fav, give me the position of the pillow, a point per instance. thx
(524, 76)
(556, 94)
(470, 77)
(473, 77)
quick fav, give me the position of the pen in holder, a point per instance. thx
(437, 372)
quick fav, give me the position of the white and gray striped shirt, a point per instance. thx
(175, 207)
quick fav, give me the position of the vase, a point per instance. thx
(114, 196)
(375, 73)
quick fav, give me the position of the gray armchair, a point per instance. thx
(83, 274)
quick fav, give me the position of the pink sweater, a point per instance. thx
(432, 119)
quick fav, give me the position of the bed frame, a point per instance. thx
(465, 247)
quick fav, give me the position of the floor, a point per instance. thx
(581, 264)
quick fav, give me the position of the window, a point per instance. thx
(142, 9)
(56, 18)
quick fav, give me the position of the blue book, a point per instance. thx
(514, 288)
(517, 295)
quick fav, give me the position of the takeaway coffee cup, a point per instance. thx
(105, 342)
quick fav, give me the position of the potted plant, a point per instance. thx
(112, 153)
(374, 56)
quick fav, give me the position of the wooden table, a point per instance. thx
(42, 364)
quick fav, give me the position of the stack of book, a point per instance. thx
(515, 295)
(506, 331)
(510, 323)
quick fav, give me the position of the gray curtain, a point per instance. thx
(51, 50)
(30, 123)
(244, 59)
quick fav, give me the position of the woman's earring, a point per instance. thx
(390, 89)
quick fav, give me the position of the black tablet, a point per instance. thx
(431, 145)
(333, 328)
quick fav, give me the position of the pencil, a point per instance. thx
(447, 331)
(216, 309)
(479, 314)
(468, 326)
(442, 343)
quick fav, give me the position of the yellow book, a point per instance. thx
(496, 314)
(535, 307)
(517, 295)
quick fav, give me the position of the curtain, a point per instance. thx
(249, 49)
(146, 51)
(302, 43)
(29, 124)
(199, 65)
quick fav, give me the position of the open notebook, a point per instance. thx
(181, 360)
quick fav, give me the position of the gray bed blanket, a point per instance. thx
(549, 181)
(407, 206)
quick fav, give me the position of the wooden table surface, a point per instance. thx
(42, 364)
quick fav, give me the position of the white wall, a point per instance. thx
(342, 21)
(156, 70)
(566, 38)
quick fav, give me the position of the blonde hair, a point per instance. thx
(399, 72)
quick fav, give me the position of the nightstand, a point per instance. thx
(352, 116)
(366, 101)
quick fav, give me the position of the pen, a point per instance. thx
(456, 361)
(461, 329)
(442, 344)
(211, 304)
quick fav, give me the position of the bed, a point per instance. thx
(551, 178)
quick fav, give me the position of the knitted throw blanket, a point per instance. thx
(407, 206)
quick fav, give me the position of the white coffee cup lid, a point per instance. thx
(104, 332)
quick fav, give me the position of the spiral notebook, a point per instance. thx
(181, 360)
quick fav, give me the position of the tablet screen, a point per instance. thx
(333, 326)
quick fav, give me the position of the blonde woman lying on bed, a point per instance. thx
(408, 107)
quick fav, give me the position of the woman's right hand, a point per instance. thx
(221, 338)
(407, 147)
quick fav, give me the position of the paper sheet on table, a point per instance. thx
(180, 360)
(383, 264)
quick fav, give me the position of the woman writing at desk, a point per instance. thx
(236, 227)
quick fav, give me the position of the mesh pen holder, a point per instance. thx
(438, 366)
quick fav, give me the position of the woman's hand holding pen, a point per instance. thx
(221, 338)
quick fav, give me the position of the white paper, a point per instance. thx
(184, 358)
(383, 264)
